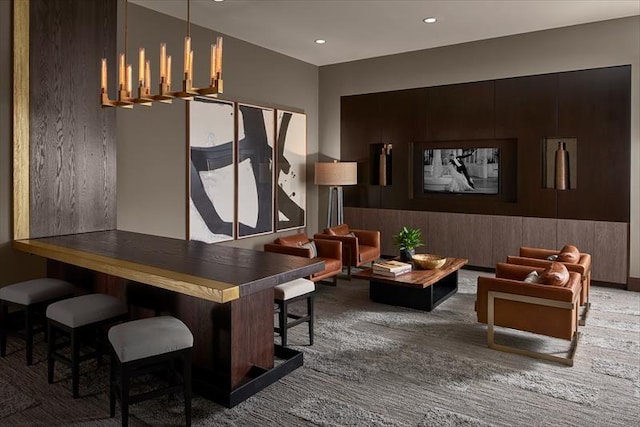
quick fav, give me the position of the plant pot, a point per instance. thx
(407, 255)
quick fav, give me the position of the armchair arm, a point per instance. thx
(568, 293)
(368, 237)
(288, 250)
(538, 253)
(515, 272)
(543, 263)
(329, 248)
(584, 262)
(350, 251)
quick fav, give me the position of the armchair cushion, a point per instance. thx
(570, 254)
(532, 277)
(338, 230)
(312, 248)
(555, 274)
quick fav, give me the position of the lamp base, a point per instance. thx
(335, 199)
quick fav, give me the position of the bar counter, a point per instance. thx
(223, 294)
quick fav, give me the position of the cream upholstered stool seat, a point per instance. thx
(288, 293)
(86, 315)
(32, 297)
(144, 346)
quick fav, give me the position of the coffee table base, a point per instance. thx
(419, 298)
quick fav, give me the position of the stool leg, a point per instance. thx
(50, 348)
(124, 394)
(75, 363)
(310, 314)
(283, 322)
(28, 327)
(3, 329)
(186, 374)
(112, 387)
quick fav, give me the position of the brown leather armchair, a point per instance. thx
(359, 246)
(327, 250)
(506, 300)
(537, 257)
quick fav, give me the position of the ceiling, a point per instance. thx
(359, 29)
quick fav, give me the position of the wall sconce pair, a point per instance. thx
(126, 100)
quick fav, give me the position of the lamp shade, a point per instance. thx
(336, 173)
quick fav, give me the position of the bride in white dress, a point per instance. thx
(458, 181)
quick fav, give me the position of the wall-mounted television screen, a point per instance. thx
(461, 170)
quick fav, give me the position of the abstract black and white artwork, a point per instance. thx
(212, 173)
(256, 132)
(291, 145)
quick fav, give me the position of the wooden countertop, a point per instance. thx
(212, 272)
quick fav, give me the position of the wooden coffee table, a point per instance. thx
(419, 289)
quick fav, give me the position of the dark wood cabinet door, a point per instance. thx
(462, 111)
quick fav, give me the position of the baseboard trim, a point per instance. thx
(633, 284)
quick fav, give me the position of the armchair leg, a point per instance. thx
(585, 312)
(492, 296)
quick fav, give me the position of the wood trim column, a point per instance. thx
(21, 119)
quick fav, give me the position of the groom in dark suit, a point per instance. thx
(456, 161)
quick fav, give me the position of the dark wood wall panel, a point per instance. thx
(361, 125)
(487, 239)
(72, 139)
(591, 105)
(526, 110)
(463, 111)
(594, 107)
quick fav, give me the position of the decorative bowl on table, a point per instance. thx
(428, 261)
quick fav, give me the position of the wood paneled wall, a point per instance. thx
(487, 239)
(72, 139)
(590, 105)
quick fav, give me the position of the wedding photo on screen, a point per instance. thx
(461, 170)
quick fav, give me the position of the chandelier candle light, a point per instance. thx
(165, 95)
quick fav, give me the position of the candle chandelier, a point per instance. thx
(125, 98)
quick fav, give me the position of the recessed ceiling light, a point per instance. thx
(218, 1)
(429, 20)
(321, 41)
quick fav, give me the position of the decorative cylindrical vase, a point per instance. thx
(382, 172)
(562, 167)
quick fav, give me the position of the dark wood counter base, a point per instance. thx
(256, 380)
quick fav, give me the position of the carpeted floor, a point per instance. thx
(379, 365)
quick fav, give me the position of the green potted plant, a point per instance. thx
(407, 240)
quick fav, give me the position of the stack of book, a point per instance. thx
(391, 268)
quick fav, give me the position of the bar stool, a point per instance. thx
(78, 317)
(32, 297)
(144, 346)
(288, 293)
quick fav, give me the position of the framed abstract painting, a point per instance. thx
(291, 147)
(256, 133)
(211, 170)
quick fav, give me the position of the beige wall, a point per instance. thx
(152, 192)
(600, 44)
(14, 266)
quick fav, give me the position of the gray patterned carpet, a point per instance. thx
(378, 365)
